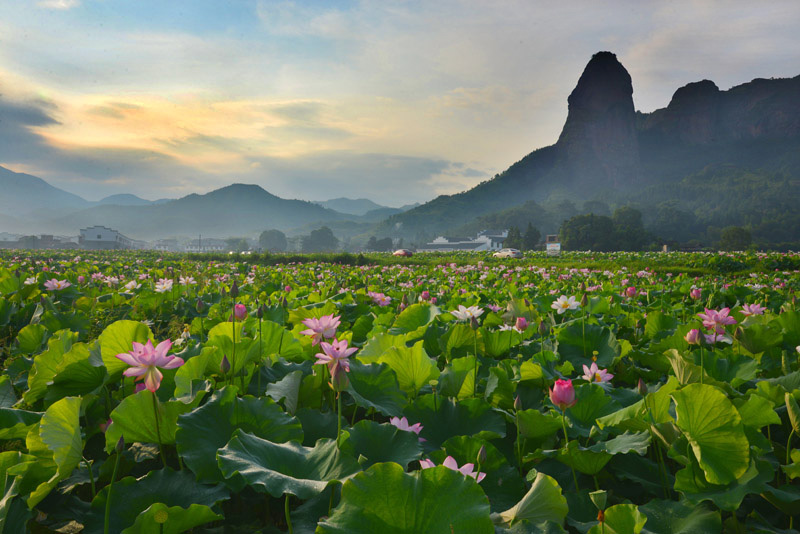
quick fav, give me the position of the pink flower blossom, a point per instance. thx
(145, 361)
(521, 325)
(324, 327)
(379, 298)
(239, 311)
(402, 424)
(595, 374)
(716, 319)
(335, 355)
(450, 463)
(56, 285)
(695, 293)
(562, 394)
(630, 292)
(692, 337)
(753, 309)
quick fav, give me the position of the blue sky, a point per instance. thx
(398, 101)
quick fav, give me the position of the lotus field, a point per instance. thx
(149, 394)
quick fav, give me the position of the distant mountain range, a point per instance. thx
(710, 159)
(31, 205)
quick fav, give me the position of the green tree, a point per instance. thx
(382, 245)
(320, 240)
(629, 232)
(514, 238)
(598, 207)
(588, 232)
(531, 238)
(372, 243)
(273, 241)
(735, 238)
(237, 244)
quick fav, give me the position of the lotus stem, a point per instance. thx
(108, 497)
(286, 513)
(338, 418)
(158, 431)
(91, 477)
(566, 444)
(519, 442)
(788, 449)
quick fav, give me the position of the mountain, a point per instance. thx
(351, 206)
(237, 209)
(128, 200)
(25, 196)
(712, 157)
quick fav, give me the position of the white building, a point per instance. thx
(102, 238)
(166, 245)
(206, 244)
(486, 240)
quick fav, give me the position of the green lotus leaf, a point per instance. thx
(592, 403)
(659, 326)
(538, 426)
(670, 517)
(412, 365)
(378, 443)
(714, 430)
(194, 369)
(206, 429)
(758, 412)
(543, 502)
(132, 502)
(118, 337)
(30, 338)
(75, 375)
(287, 389)
(621, 519)
(15, 424)
(375, 386)
(585, 460)
(691, 482)
(577, 344)
(499, 389)
(497, 343)
(759, 338)
(444, 418)
(47, 364)
(502, 484)
(135, 420)
(278, 468)
(458, 378)
(385, 499)
(413, 318)
(624, 443)
(171, 519)
(379, 344)
(786, 498)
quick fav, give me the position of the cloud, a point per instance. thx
(58, 4)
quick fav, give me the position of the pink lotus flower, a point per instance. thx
(324, 327)
(695, 293)
(81, 279)
(163, 285)
(562, 394)
(335, 355)
(716, 319)
(716, 337)
(239, 311)
(630, 292)
(145, 361)
(466, 314)
(56, 285)
(379, 298)
(692, 337)
(595, 374)
(753, 309)
(425, 295)
(402, 424)
(450, 463)
(521, 325)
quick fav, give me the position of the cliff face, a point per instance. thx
(599, 140)
(699, 113)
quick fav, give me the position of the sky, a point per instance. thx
(398, 101)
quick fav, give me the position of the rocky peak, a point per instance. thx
(599, 139)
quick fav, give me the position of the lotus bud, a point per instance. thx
(641, 387)
(527, 302)
(481, 458)
(521, 324)
(260, 312)
(473, 322)
(222, 292)
(584, 300)
(599, 499)
(234, 289)
(225, 365)
(562, 394)
(239, 311)
(120, 444)
(695, 293)
(543, 328)
(283, 302)
(583, 287)
(692, 337)
(199, 305)
(517, 403)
